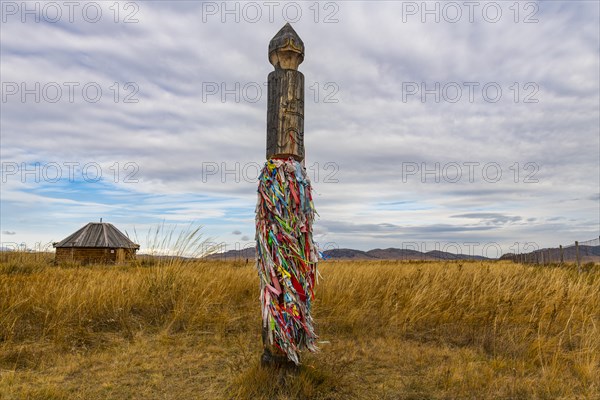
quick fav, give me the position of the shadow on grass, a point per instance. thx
(306, 382)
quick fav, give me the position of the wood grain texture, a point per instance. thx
(285, 114)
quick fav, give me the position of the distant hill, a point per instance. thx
(396, 254)
(348, 254)
(352, 254)
(249, 253)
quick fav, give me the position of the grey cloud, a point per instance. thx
(387, 228)
(555, 219)
(495, 218)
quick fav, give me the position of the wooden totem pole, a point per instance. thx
(286, 254)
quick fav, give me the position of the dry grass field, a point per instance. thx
(388, 330)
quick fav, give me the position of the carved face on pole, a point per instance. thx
(285, 110)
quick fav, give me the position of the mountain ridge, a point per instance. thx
(390, 253)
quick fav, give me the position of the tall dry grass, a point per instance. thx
(409, 329)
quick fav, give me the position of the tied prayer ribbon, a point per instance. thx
(286, 256)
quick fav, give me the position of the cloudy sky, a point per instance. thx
(438, 124)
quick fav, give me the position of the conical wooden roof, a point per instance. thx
(98, 234)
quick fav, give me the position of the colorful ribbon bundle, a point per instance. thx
(286, 256)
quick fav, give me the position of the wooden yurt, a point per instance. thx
(96, 242)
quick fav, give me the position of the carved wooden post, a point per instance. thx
(286, 254)
(285, 103)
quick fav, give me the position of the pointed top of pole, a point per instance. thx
(286, 49)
